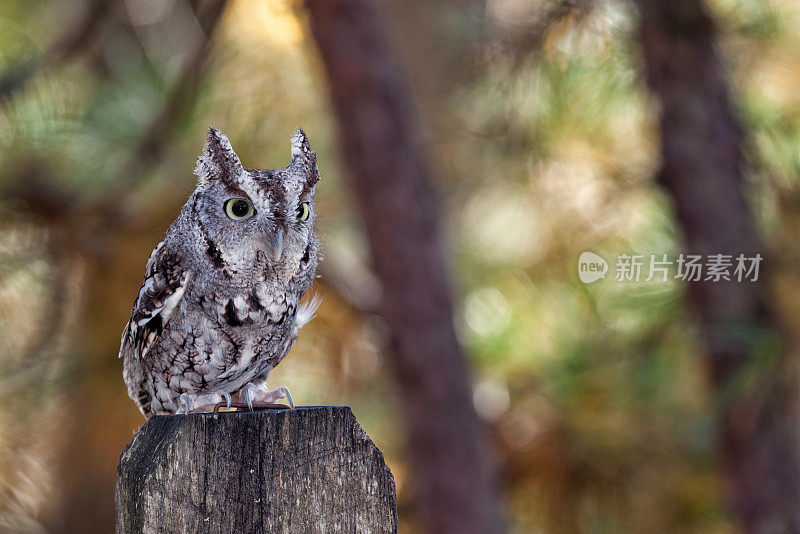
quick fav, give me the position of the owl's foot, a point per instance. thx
(194, 403)
(255, 395)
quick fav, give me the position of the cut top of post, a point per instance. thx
(311, 469)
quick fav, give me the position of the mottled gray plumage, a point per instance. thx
(220, 303)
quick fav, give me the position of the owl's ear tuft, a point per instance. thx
(304, 159)
(218, 160)
(300, 145)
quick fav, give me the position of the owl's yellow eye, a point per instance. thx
(303, 211)
(238, 209)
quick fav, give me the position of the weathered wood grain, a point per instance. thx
(311, 469)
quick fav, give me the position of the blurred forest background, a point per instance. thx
(541, 130)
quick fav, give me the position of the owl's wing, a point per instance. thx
(163, 288)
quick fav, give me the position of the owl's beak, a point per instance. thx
(274, 243)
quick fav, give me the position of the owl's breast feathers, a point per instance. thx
(182, 355)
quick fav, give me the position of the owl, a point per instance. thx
(220, 304)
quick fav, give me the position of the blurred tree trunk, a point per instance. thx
(702, 171)
(451, 465)
(438, 43)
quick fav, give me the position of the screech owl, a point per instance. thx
(220, 304)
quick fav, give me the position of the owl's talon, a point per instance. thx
(195, 403)
(227, 396)
(183, 402)
(248, 396)
(260, 394)
(286, 395)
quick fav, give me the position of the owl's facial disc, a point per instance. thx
(256, 220)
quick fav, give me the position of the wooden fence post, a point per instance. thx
(311, 469)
